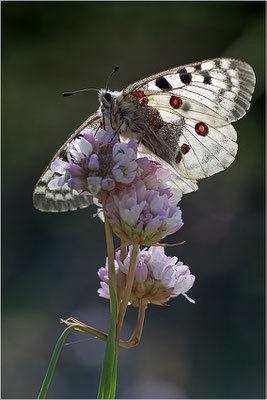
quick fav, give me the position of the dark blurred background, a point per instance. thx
(213, 349)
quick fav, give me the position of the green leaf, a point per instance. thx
(53, 361)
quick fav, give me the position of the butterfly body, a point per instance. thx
(181, 118)
(129, 115)
(121, 113)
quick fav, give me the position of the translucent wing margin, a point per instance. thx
(64, 199)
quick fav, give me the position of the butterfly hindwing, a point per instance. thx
(65, 198)
(179, 180)
(205, 153)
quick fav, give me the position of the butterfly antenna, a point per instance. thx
(115, 69)
(79, 91)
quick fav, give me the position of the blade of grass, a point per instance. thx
(53, 361)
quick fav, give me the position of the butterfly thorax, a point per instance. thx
(120, 111)
(134, 119)
(125, 115)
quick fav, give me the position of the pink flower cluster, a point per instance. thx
(142, 215)
(96, 163)
(140, 205)
(157, 277)
(145, 211)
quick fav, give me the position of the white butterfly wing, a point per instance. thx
(202, 155)
(213, 93)
(65, 198)
(178, 181)
(208, 154)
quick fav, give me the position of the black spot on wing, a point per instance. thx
(185, 76)
(207, 78)
(42, 183)
(63, 155)
(163, 84)
(198, 67)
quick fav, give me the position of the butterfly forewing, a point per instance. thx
(223, 85)
(196, 103)
(65, 198)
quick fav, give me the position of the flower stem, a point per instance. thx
(128, 289)
(141, 318)
(110, 250)
(107, 386)
(53, 362)
(121, 280)
(114, 376)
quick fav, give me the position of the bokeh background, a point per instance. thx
(213, 349)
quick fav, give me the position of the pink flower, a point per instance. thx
(104, 280)
(124, 156)
(157, 277)
(96, 163)
(142, 215)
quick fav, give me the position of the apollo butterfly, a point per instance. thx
(181, 118)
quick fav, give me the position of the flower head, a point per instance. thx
(157, 277)
(142, 212)
(95, 163)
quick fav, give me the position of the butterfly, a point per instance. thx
(180, 117)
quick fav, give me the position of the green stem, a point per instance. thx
(121, 278)
(128, 289)
(107, 386)
(114, 376)
(107, 374)
(141, 318)
(53, 362)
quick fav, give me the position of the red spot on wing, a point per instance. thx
(101, 125)
(154, 111)
(143, 101)
(185, 148)
(201, 129)
(156, 124)
(175, 102)
(179, 157)
(138, 94)
(154, 118)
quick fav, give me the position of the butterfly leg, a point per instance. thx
(116, 131)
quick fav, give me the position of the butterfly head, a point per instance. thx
(105, 99)
(108, 105)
